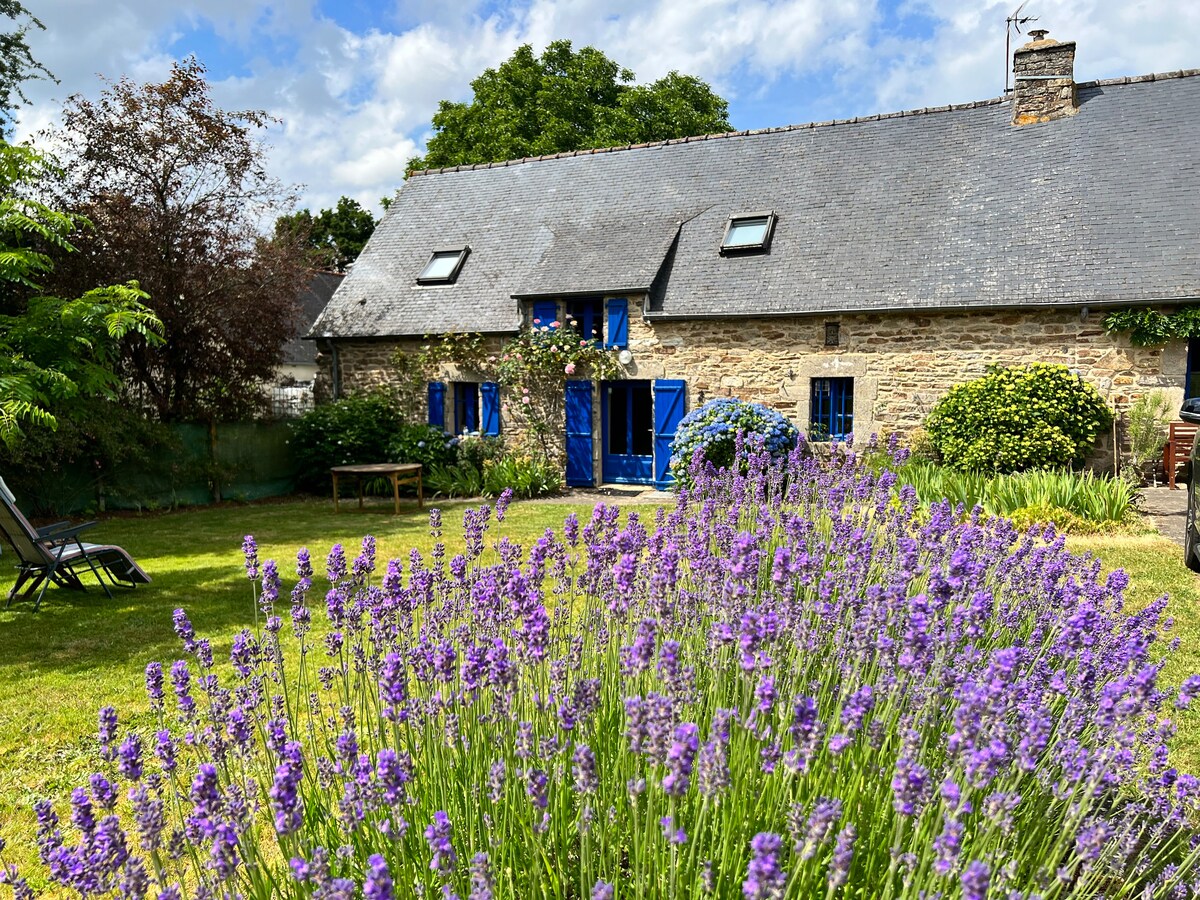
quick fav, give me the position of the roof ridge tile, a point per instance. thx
(828, 123)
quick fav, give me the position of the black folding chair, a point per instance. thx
(56, 555)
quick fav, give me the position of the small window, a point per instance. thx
(748, 233)
(832, 414)
(833, 334)
(443, 266)
(587, 317)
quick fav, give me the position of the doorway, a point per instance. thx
(627, 413)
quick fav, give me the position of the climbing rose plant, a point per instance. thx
(795, 683)
(535, 366)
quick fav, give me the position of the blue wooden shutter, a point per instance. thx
(437, 404)
(545, 311)
(489, 393)
(618, 323)
(668, 410)
(580, 470)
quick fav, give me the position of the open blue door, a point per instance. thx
(627, 435)
(580, 471)
(668, 410)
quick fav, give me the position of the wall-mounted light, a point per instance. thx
(1083, 313)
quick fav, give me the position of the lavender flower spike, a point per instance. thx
(250, 549)
(765, 880)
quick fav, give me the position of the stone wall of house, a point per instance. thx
(364, 365)
(901, 363)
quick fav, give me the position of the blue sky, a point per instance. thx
(355, 82)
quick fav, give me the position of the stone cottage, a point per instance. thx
(846, 273)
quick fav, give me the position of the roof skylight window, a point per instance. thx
(748, 233)
(443, 265)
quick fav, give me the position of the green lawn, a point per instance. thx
(81, 651)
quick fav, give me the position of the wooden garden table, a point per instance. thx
(397, 473)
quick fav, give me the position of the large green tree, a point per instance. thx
(177, 189)
(566, 100)
(53, 351)
(16, 61)
(335, 236)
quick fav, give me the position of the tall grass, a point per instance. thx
(1088, 497)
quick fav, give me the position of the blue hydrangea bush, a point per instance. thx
(796, 683)
(712, 430)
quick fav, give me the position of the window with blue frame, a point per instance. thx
(587, 317)
(832, 410)
(466, 407)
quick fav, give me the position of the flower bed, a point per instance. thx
(768, 691)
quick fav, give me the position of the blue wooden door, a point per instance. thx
(668, 410)
(578, 403)
(627, 413)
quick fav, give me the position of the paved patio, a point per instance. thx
(1166, 510)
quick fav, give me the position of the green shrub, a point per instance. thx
(424, 444)
(528, 476)
(713, 429)
(350, 431)
(454, 480)
(1038, 416)
(1148, 417)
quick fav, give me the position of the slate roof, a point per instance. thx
(947, 208)
(313, 300)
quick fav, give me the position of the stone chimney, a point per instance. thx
(1044, 80)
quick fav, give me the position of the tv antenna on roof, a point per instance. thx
(1011, 24)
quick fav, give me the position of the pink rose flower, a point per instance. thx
(570, 369)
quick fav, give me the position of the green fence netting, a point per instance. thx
(228, 461)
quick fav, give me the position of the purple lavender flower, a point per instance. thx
(270, 586)
(496, 776)
(304, 569)
(439, 834)
(843, 856)
(502, 502)
(250, 550)
(129, 757)
(680, 759)
(674, 834)
(909, 786)
(335, 564)
(536, 786)
(482, 885)
(149, 817)
(181, 680)
(154, 684)
(107, 732)
(603, 891)
(1189, 689)
(584, 770)
(976, 879)
(286, 804)
(393, 688)
(378, 883)
(765, 879)
(164, 749)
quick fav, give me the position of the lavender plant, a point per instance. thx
(793, 684)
